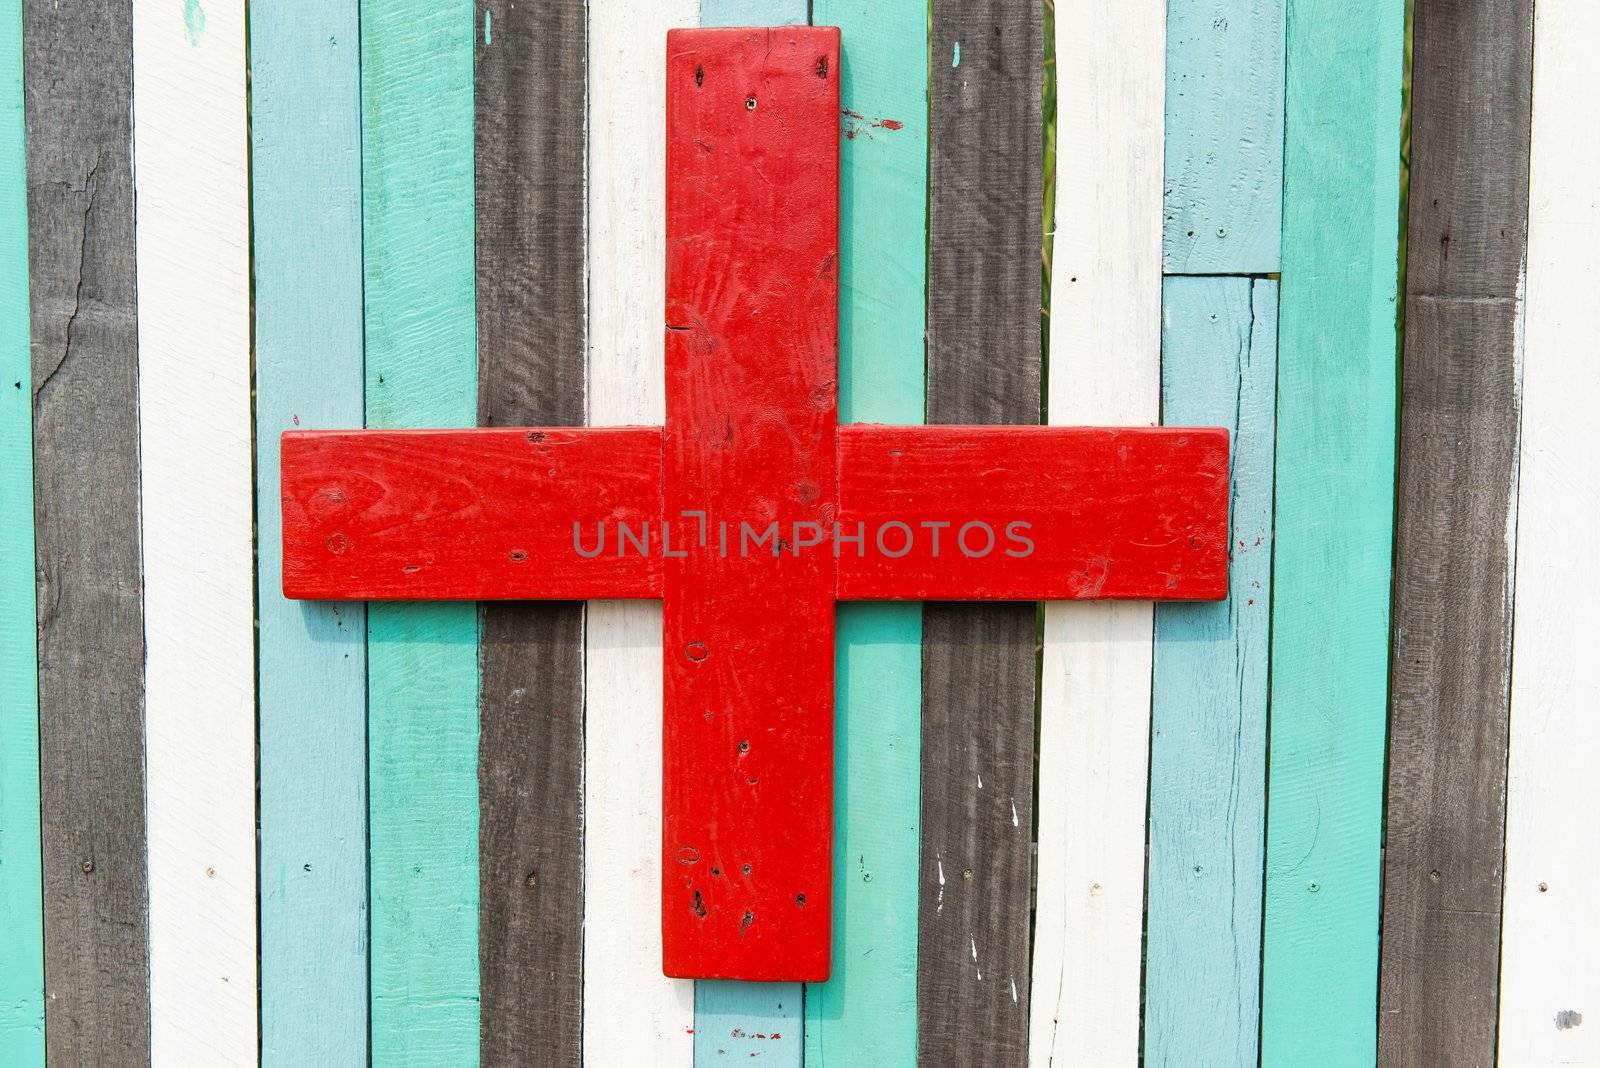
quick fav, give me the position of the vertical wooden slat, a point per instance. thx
(985, 202)
(1549, 986)
(740, 1020)
(306, 194)
(190, 148)
(1208, 758)
(1333, 527)
(631, 1013)
(530, 113)
(78, 93)
(422, 660)
(1450, 691)
(867, 1011)
(21, 904)
(1224, 144)
(1105, 368)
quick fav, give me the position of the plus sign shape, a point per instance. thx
(752, 439)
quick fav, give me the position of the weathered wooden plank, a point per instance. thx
(1450, 689)
(1105, 367)
(306, 193)
(21, 881)
(867, 1011)
(748, 744)
(78, 83)
(985, 207)
(531, 90)
(191, 151)
(1224, 145)
(1333, 527)
(631, 1013)
(1208, 759)
(422, 660)
(728, 1016)
(1549, 986)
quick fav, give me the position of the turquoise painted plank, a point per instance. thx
(1334, 523)
(743, 1020)
(422, 660)
(753, 12)
(306, 193)
(867, 1012)
(1208, 762)
(1224, 141)
(21, 888)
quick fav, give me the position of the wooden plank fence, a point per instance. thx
(1337, 819)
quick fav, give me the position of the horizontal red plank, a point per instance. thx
(1033, 513)
(1074, 513)
(470, 515)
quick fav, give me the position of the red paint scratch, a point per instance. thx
(890, 124)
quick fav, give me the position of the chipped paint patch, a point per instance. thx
(1567, 1019)
(955, 56)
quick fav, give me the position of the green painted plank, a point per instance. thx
(21, 886)
(1208, 760)
(421, 370)
(749, 1019)
(1224, 147)
(305, 193)
(867, 1012)
(1334, 524)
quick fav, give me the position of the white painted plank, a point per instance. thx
(1105, 368)
(632, 1014)
(190, 151)
(1550, 935)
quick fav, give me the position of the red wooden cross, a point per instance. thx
(752, 511)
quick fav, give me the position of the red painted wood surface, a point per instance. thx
(752, 359)
(468, 515)
(751, 444)
(1136, 513)
(984, 513)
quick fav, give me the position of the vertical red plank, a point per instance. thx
(752, 366)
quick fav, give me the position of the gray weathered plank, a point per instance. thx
(978, 661)
(530, 101)
(1458, 453)
(78, 59)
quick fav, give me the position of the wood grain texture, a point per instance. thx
(1551, 935)
(191, 152)
(867, 1010)
(1450, 689)
(78, 84)
(1208, 759)
(1104, 367)
(422, 660)
(1224, 145)
(729, 1015)
(985, 208)
(631, 1013)
(752, 270)
(21, 880)
(312, 705)
(531, 119)
(1333, 520)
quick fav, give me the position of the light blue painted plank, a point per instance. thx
(1333, 526)
(1208, 764)
(1224, 154)
(422, 660)
(743, 1020)
(753, 12)
(867, 1012)
(306, 195)
(21, 894)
